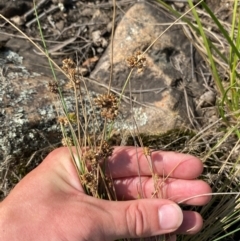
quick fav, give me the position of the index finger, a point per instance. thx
(131, 161)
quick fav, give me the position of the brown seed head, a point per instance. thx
(53, 87)
(68, 64)
(64, 120)
(105, 151)
(89, 179)
(108, 104)
(69, 68)
(67, 141)
(137, 60)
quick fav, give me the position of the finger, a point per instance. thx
(192, 223)
(177, 190)
(131, 188)
(130, 161)
(139, 218)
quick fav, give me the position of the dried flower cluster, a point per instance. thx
(69, 67)
(53, 87)
(89, 179)
(105, 151)
(68, 64)
(67, 141)
(108, 104)
(137, 60)
(98, 156)
(94, 160)
(64, 120)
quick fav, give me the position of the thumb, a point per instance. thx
(140, 218)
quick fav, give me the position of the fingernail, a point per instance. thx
(170, 217)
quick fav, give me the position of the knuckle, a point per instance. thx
(136, 220)
(58, 151)
(61, 151)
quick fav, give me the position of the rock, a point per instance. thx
(23, 104)
(28, 52)
(28, 110)
(161, 89)
(3, 40)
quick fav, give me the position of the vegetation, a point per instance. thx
(218, 144)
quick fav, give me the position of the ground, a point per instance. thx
(70, 30)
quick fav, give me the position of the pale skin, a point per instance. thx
(50, 203)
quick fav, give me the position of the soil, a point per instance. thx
(69, 29)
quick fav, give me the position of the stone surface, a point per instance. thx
(28, 110)
(25, 105)
(166, 82)
(25, 49)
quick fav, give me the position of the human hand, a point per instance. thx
(50, 203)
